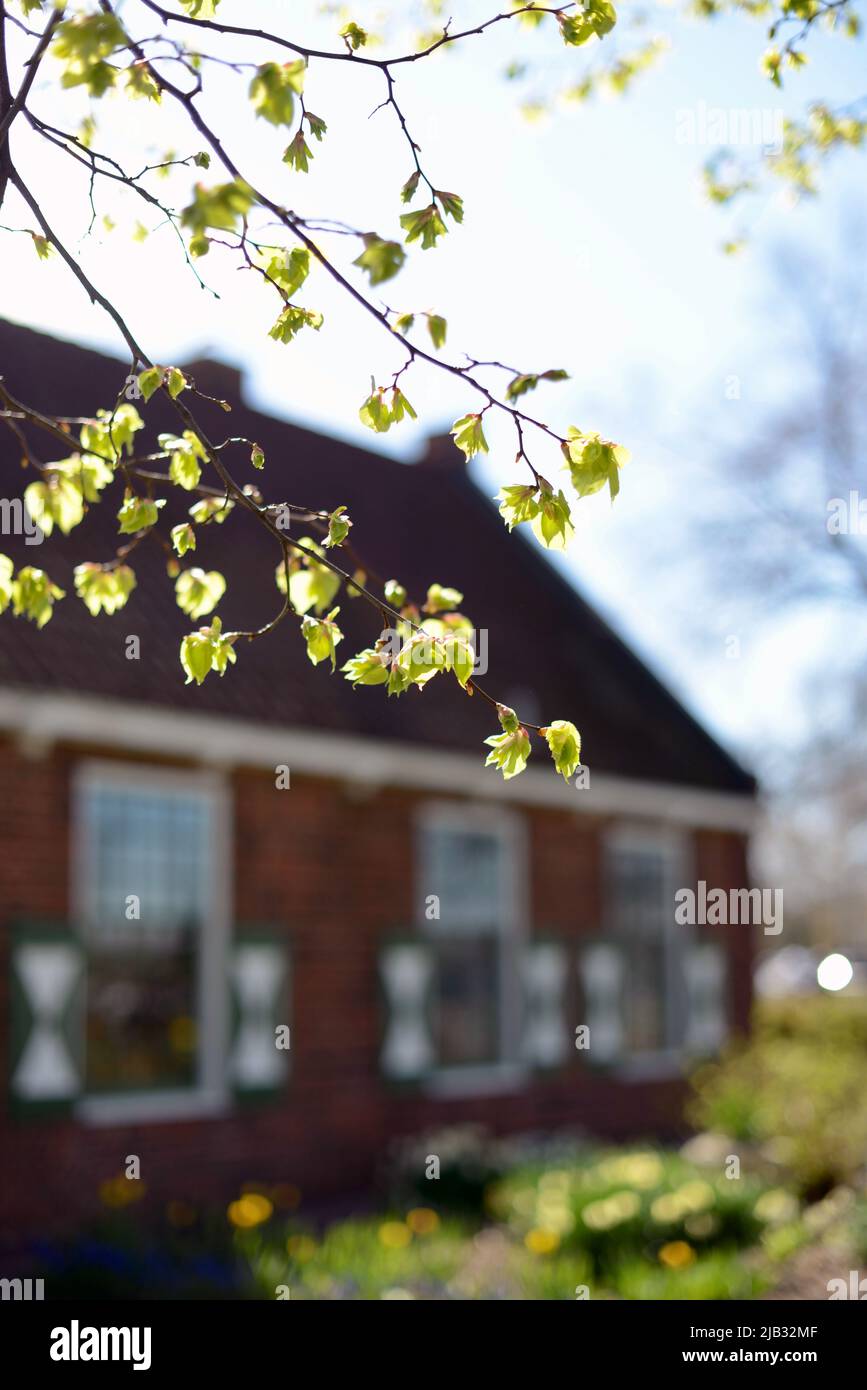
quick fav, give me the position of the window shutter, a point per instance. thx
(259, 985)
(47, 1020)
(544, 968)
(406, 970)
(602, 974)
(706, 991)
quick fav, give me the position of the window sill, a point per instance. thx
(152, 1107)
(497, 1079)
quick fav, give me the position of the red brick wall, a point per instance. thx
(333, 867)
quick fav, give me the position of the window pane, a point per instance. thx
(637, 884)
(465, 870)
(146, 897)
(466, 1019)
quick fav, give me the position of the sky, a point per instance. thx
(586, 245)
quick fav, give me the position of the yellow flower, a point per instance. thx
(250, 1210)
(541, 1242)
(395, 1234)
(422, 1221)
(121, 1191)
(677, 1254)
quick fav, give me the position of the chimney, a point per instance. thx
(216, 379)
(442, 453)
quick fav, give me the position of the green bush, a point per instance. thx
(639, 1205)
(796, 1090)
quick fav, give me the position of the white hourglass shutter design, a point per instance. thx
(47, 1019)
(406, 970)
(602, 975)
(545, 1041)
(259, 984)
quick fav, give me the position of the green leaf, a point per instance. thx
(395, 593)
(528, 381)
(597, 18)
(57, 502)
(292, 320)
(198, 593)
(289, 269)
(221, 206)
(509, 752)
(322, 636)
(184, 452)
(381, 259)
(469, 435)
(311, 584)
(519, 503)
(297, 154)
(42, 246)
(452, 205)
(424, 225)
(6, 570)
(460, 656)
(274, 88)
(211, 509)
(138, 513)
(355, 36)
(34, 595)
(207, 650)
(404, 323)
(437, 328)
(338, 527)
(201, 9)
(407, 193)
(375, 413)
(423, 655)
(316, 124)
(176, 382)
(400, 406)
(593, 462)
(564, 741)
(149, 381)
(257, 458)
(103, 590)
(183, 538)
(440, 600)
(553, 523)
(369, 667)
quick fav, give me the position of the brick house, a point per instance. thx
(306, 907)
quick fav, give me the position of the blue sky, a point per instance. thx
(586, 245)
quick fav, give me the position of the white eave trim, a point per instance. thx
(41, 720)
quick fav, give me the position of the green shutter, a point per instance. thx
(46, 1015)
(260, 994)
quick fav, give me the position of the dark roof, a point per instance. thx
(417, 523)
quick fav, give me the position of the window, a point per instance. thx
(642, 872)
(151, 904)
(469, 881)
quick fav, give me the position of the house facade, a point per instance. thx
(255, 931)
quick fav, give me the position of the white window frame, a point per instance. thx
(509, 1073)
(210, 1095)
(676, 849)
